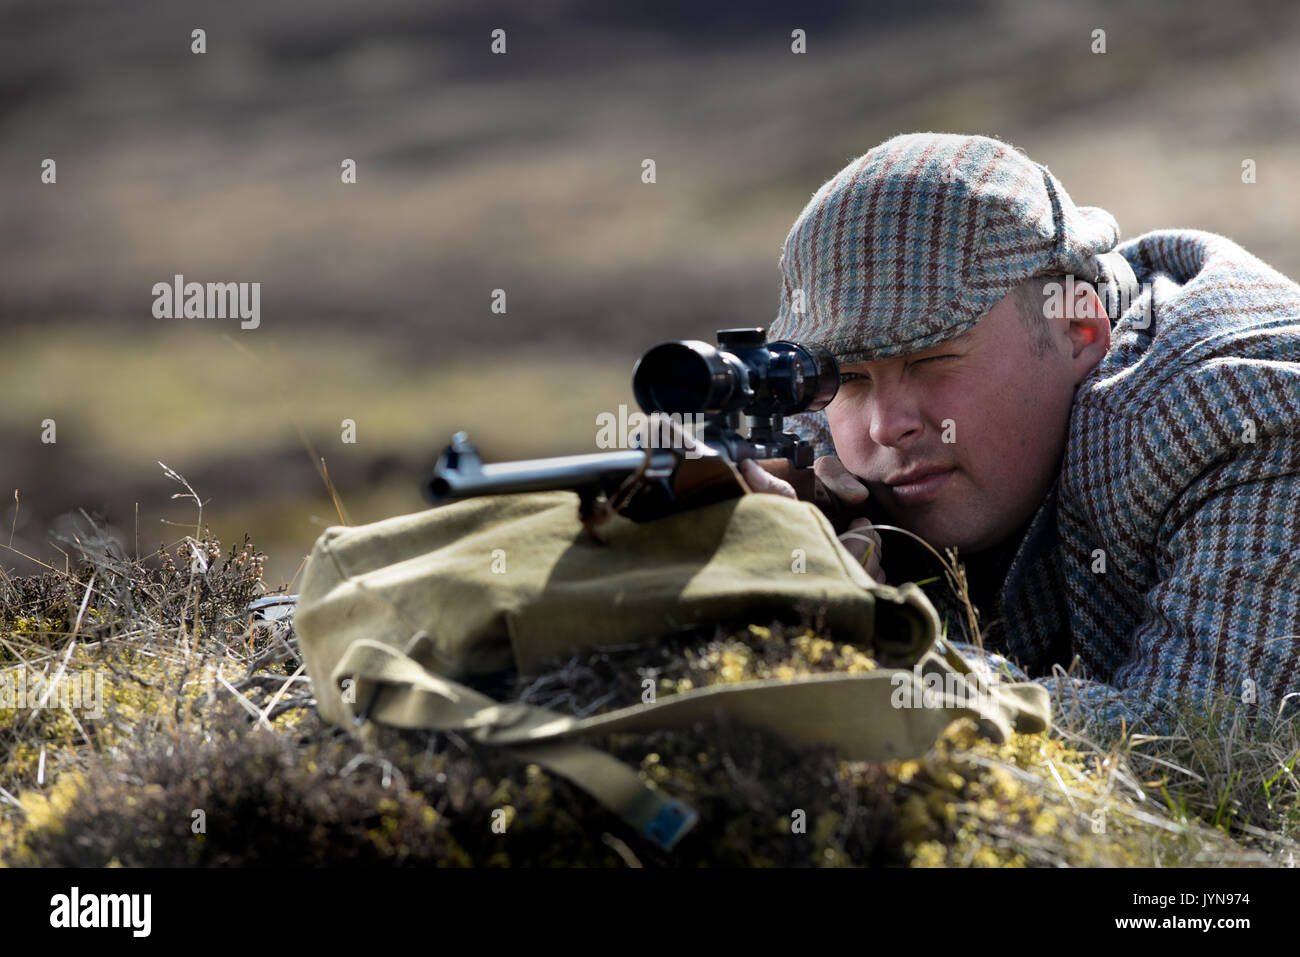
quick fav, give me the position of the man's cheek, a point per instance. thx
(852, 444)
(858, 460)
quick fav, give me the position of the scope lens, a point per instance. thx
(682, 377)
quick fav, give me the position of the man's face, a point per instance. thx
(981, 406)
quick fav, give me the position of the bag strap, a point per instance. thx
(871, 716)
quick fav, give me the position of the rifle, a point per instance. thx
(744, 375)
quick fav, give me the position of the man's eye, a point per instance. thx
(846, 377)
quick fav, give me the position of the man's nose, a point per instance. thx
(895, 415)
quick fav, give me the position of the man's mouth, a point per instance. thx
(919, 485)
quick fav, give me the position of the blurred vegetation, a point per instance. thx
(270, 411)
(518, 172)
(209, 752)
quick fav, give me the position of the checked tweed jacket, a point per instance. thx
(1182, 473)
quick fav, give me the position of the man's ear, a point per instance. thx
(1089, 329)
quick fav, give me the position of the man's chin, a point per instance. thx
(940, 534)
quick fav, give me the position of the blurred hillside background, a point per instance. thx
(520, 172)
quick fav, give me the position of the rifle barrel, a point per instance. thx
(534, 475)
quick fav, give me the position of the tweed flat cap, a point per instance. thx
(913, 242)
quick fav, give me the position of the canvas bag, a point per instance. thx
(394, 617)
